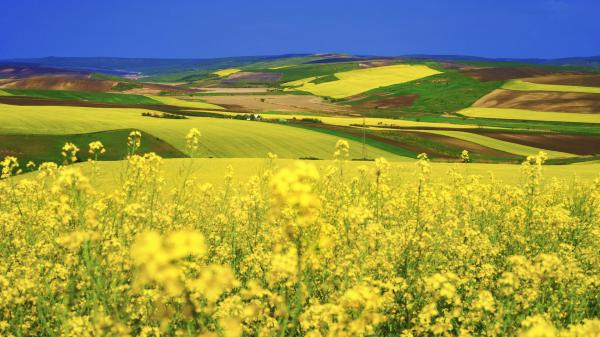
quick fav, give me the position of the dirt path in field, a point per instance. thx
(552, 101)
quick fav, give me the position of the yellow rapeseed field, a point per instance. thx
(226, 72)
(354, 82)
(529, 86)
(295, 252)
(530, 115)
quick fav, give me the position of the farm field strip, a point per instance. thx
(354, 82)
(371, 122)
(184, 103)
(210, 170)
(522, 114)
(552, 101)
(299, 82)
(92, 96)
(497, 144)
(221, 137)
(4, 93)
(530, 86)
(226, 72)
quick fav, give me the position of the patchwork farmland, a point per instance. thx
(299, 195)
(396, 107)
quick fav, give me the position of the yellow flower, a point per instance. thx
(69, 153)
(192, 140)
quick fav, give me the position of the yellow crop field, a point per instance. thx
(528, 86)
(210, 170)
(226, 72)
(222, 137)
(522, 114)
(184, 103)
(354, 82)
(500, 145)
(297, 249)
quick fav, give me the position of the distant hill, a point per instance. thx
(117, 65)
(591, 61)
(154, 66)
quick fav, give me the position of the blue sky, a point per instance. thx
(203, 28)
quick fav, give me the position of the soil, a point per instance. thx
(586, 80)
(76, 83)
(389, 102)
(502, 74)
(576, 144)
(552, 101)
(253, 77)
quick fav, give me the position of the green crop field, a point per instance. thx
(100, 97)
(47, 148)
(528, 86)
(522, 114)
(446, 92)
(301, 71)
(221, 137)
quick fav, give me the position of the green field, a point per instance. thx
(301, 71)
(100, 97)
(221, 137)
(47, 148)
(447, 92)
(528, 86)
(521, 114)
